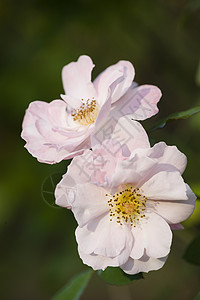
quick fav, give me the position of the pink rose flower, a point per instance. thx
(89, 112)
(125, 207)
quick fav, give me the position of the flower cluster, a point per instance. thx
(89, 111)
(126, 196)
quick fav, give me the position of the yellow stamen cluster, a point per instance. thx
(86, 113)
(127, 205)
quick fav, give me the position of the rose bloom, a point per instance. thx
(89, 112)
(126, 206)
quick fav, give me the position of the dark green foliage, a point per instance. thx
(74, 289)
(117, 277)
(192, 253)
(177, 116)
(197, 296)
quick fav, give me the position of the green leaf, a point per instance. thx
(176, 116)
(117, 276)
(192, 253)
(74, 289)
(197, 296)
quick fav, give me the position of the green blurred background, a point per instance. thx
(161, 38)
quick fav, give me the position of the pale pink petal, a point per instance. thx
(153, 234)
(111, 85)
(130, 134)
(48, 135)
(139, 102)
(157, 235)
(104, 237)
(103, 113)
(90, 203)
(175, 212)
(98, 165)
(79, 172)
(104, 84)
(105, 81)
(138, 243)
(168, 155)
(40, 112)
(119, 76)
(38, 134)
(62, 199)
(76, 77)
(29, 130)
(176, 226)
(46, 155)
(72, 102)
(124, 83)
(144, 264)
(78, 168)
(165, 186)
(57, 113)
(132, 171)
(51, 153)
(100, 262)
(165, 155)
(105, 157)
(65, 191)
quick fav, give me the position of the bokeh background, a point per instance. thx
(161, 38)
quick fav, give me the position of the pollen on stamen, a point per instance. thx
(86, 113)
(127, 205)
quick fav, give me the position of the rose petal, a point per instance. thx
(100, 262)
(103, 237)
(90, 203)
(104, 84)
(125, 73)
(138, 243)
(111, 85)
(139, 102)
(65, 191)
(176, 226)
(144, 264)
(157, 235)
(165, 186)
(168, 155)
(131, 171)
(105, 157)
(130, 134)
(175, 212)
(76, 77)
(48, 141)
(123, 85)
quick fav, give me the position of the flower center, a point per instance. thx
(86, 113)
(127, 206)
